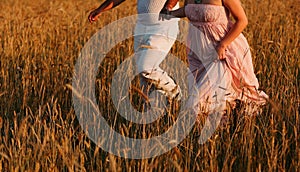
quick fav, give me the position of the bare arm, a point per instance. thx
(180, 13)
(166, 14)
(165, 11)
(170, 4)
(106, 5)
(241, 22)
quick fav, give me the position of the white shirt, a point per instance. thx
(150, 6)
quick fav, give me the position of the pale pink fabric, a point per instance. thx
(234, 75)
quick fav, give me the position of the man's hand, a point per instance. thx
(94, 15)
(164, 14)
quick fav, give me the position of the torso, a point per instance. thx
(150, 6)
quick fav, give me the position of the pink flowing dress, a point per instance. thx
(219, 81)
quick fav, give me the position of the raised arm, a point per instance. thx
(106, 5)
(241, 22)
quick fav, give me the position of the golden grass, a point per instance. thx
(40, 42)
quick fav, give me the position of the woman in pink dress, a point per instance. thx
(220, 59)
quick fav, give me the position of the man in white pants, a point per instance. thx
(153, 39)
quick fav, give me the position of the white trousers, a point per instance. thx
(152, 43)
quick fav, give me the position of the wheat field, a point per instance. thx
(40, 43)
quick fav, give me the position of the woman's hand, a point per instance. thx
(221, 49)
(94, 15)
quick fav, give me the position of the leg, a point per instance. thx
(151, 50)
